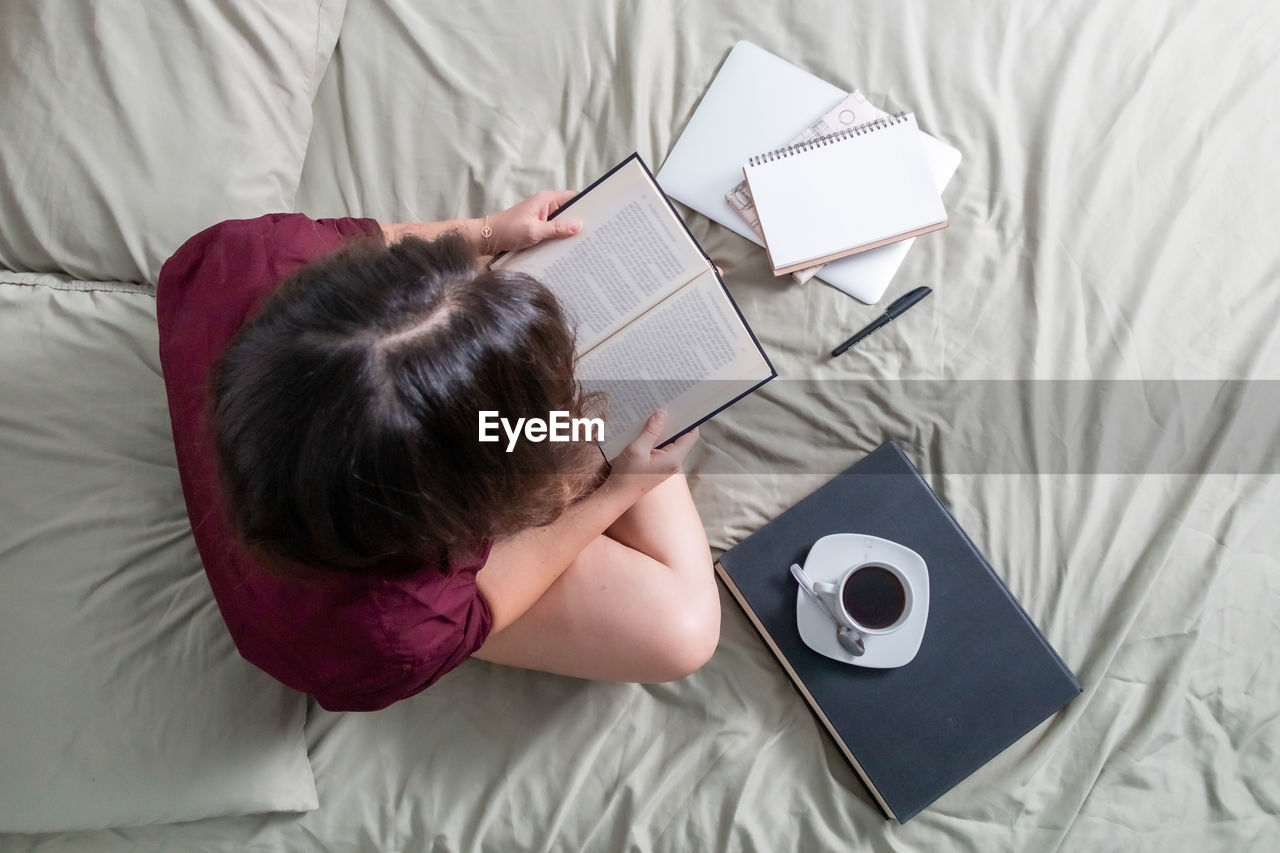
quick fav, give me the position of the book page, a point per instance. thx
(690, 355)
(630, 254)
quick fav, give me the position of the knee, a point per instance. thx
(690, 634)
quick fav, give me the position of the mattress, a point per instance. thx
(1091, 388)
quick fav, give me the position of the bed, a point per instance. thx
(1091, 388)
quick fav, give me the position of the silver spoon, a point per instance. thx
(850, 640)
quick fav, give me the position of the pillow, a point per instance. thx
(130, 126)
(124, 700)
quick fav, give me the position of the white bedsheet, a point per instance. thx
(1114, 219)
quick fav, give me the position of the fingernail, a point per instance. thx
(660, 418)
(575, 225)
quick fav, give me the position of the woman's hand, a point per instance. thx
(526, 223)
(641, 465)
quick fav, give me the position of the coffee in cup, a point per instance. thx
(873, 597)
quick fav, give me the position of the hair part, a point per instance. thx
(345, 411)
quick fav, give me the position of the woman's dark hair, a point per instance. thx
(345, 412)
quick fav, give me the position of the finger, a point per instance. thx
(653, 428)
(656, 424)
(559, 198)
(560, 228)
(675, 452)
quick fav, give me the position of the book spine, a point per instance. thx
(798, 683)
(821, 141)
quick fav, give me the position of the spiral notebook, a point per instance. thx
(827, 198)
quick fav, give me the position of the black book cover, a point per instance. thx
(984, 675)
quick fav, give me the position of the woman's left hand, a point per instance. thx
(527, 224)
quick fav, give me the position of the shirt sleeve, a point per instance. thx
(430, 624)
(216, 280)
(204, 294)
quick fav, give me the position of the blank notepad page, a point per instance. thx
(828, 198)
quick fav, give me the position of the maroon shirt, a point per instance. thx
(356, 644)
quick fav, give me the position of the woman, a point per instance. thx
(324, 382)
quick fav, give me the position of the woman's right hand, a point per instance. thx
(642, 465)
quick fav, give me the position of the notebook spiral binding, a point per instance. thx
(820, 141)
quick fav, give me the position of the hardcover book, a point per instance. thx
(983, 677)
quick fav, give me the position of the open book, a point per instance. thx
(655, 325)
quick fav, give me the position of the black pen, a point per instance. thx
(901, 304)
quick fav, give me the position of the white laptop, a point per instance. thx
(758, 102)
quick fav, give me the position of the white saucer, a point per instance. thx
(828, 560)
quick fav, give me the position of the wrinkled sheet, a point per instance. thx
(1114, 219)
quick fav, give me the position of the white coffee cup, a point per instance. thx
(872, 597)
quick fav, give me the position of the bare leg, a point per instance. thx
(638, 604)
